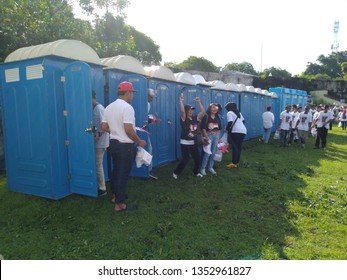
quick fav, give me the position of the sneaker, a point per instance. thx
(102, 192)
(175, 176)
(199, 175)
(203, 172)
(232, 165)
(153, 176)
(212, 171)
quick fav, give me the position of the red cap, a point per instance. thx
(126, 86)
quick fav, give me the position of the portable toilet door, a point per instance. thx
(163, 134)
(80, 134)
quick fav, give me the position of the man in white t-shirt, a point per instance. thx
(268, 122)
(101, 143)
(303, 125)
(322, 121)
(119, 120)
(284, 125)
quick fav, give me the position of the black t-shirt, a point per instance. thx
(189, 128)
(210, 124)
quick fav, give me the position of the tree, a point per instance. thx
(276, 72)
(89, 6)
(145, 49)
(244, 67)
(24, 23)
(344, 69)
(195, 63)
(329, 65)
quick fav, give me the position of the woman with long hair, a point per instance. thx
(210, 126)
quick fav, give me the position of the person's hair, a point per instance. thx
(233, 107)
(93, 94)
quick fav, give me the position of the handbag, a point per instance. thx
(199, 139)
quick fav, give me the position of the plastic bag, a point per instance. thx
(207, 148)
(218, 156)
(142, 157)
(314, 131)
(277, 134)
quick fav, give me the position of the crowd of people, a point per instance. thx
(200, 135)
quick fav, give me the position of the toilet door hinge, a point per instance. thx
(67, 142)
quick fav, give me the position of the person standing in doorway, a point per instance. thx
(268, 122)
(119, 120)
(151, 120)
(101, 143)
(236, 132)
(189, 128)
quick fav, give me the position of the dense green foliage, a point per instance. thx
(24, 23)
(244, 67)
(281, 203)
(194, 63)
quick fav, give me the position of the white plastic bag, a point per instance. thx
(207, 148)
(142, 157)
(218, 156)
(277, 134)
(314, 131)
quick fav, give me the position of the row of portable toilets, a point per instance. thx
(47, 112)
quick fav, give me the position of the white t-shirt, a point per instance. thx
(238, 127)
(268, 119)
(324, 117)
(304, 120)
(117, 114)
(295, 116)
(98, 116)
(286, 119)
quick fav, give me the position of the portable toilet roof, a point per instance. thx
(125, 63)
(250, 89)
(185, 78)
(273, 94)
(241, 87)
(71, 49)
(200, 80)
(160, 72)
(265, 92)
(232, 87)
(217, 84)
(258, 90)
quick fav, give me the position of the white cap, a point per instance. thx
(152, 93)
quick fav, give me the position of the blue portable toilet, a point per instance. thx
(275, 104)
(47, 118)
(222, 93)
(249, 101)
(186, 85)
(126, 68)
(284, 95)
(163, 135)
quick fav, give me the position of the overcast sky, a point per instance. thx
(283, 34)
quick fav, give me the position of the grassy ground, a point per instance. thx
(282, 203)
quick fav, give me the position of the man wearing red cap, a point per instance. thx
(119, 120)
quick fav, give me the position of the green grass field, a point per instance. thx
(282, 203)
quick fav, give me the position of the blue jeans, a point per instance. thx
(266, 134)
(209, 158)
(123, 156)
